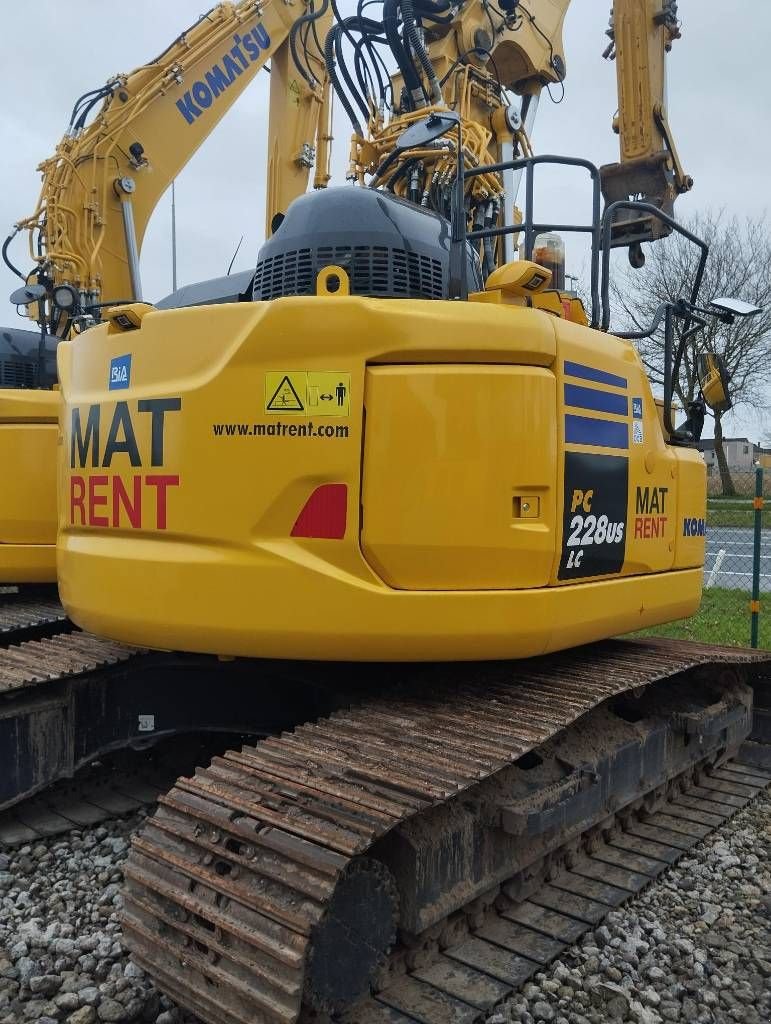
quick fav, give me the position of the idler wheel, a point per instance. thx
(352, 939)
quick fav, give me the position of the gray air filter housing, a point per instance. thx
(27, 360)
(213, 292)
(389, 247)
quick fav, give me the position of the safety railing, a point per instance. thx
(531, 228)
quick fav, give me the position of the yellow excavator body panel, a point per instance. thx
(350, 478)
(28, 440)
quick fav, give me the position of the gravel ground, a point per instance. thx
(61, 955)
(694, 947)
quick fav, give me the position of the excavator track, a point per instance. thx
(41, 661)
(293, 879)
(71, 699)
(510, 941)
(30, 614)
(50, 720)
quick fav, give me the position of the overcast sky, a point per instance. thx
(52, 52)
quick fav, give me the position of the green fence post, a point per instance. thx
(755, 602)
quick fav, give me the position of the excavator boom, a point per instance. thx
(105, 179)
(642, 33)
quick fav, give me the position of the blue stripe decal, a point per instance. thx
(604, 433)
(598, 376)
(599, 401)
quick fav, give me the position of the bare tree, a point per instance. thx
(739, 265)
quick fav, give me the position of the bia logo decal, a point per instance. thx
(694, 527)
(120, 373)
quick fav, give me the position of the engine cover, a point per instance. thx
(389, 247)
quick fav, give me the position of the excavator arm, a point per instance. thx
(472, 59)
(641, 34)
(106, 177)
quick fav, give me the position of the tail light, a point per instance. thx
(324, 514)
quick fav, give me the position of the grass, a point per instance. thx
(739, 514)
(724, 618)
(729, 504)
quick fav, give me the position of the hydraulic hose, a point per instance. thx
(440, 13)
(402, 58)
(363, 73)
(341, 63)
(7, 258)
(429, 7)
(305, 20)
(437, 19)
(329, 61)
(408, 17)
(408, 50)
(399, 173)
(371, 34)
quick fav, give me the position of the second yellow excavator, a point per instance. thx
(125, 144)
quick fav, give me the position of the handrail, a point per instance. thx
(531, 228)
(606, 227)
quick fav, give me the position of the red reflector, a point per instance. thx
(324, 513)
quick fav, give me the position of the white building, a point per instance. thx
(740, 453)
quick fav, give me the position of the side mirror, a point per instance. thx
(420, 133)
(729, 307)
(28, 294)
(713, 380)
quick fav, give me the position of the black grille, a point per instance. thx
(377, 270)
(17, 373)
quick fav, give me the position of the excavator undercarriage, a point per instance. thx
(347, 867)
(418, 841)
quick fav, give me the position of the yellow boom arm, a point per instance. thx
(642, 33)
(105, 179)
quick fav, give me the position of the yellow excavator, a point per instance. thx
(125, 144)
(351, 487)
(122, 149)
(226, 445)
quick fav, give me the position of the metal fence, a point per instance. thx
(738, 532)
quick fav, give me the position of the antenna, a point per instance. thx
(173, 237)
(240, 240)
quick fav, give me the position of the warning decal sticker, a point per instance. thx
(285, 397)
(594, 521)
(308, 392)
